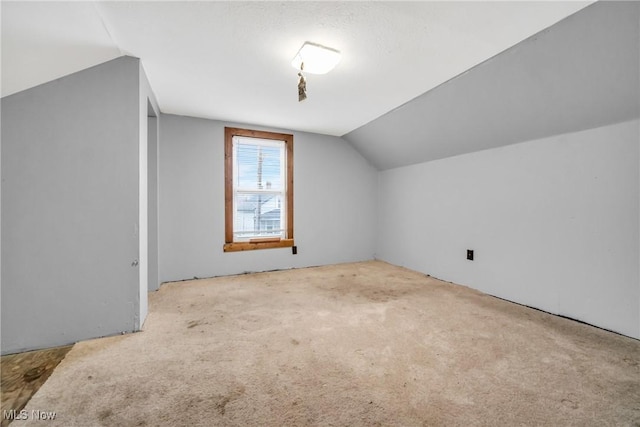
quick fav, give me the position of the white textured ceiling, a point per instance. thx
(231, 60)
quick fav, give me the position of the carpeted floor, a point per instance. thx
(362, 344)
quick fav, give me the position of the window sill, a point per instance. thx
(250, 246)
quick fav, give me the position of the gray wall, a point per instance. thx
(70, 208)
(334, 196)
(554, 223)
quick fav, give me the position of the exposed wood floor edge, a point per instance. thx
(22, 376)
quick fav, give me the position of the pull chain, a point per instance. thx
(302, 85)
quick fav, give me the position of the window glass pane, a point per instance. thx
(259, 167)
(258, 215)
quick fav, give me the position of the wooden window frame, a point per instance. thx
(267, 243)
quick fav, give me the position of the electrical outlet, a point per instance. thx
(294, 250)
(470, 254)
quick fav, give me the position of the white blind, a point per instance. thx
(259, 188)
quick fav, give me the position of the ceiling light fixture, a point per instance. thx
(315, 59)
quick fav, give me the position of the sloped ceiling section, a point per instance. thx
(581, 73)
(43, 41)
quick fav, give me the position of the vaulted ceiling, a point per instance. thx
(231, 60)
(418, 81)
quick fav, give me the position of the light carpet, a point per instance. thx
(362, 344)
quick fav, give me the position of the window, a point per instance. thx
(258, 190)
